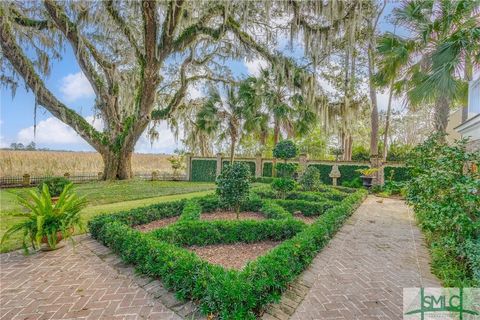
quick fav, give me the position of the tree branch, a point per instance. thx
(172, 19)
(123, 27)
(44, 97)
(27, 22)
(69, 29)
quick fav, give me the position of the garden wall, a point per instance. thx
(206, 169)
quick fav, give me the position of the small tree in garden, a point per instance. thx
(310, 178)
(178, 163)
(283, 186)
(233, 185)
(285, 150)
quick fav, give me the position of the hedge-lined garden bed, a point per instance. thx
(226, 293)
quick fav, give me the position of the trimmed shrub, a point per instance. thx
(204, 233)
(282, 186)
(285, 149)
(274, 211)
(307, 208)
(310, 178)
(191, 211)
(355, 183)
(286, 170)
(55, 185)
(233, 185)
(204, 170)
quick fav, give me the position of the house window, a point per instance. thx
(474, 98)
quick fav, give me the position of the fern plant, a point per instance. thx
(46, 221)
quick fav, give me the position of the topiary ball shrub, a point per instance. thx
(233, 185)
(286, 170)
(283, 186)
(310, 179)
(285, 150)
(55, 185)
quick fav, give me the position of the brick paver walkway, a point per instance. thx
(86, 282)
(362, 272)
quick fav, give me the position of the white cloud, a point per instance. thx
(76, 86)
(254, 66)
(54, 132)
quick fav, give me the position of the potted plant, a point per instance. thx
(46, 223)
(55, 186)
(367, 176)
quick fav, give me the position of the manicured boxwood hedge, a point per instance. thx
(267, 170)
(213, 232)
(203, 170)
(399, 173)
(229, 294)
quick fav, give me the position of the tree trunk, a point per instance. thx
(373, 99)
(117, 165)
(442, 110)
(387, 123)
(232, 147)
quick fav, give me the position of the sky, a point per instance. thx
(68, 83)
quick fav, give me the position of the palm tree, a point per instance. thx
(281, 104)
(226, 116)
(447, 34)
(393, 54)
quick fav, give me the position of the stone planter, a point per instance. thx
(367, 181)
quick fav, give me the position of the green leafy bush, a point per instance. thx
(286, 170)
(324, 170)
(285, 149)
(274, 211)
(55, 185)
(191, 211)
(233, 185)
(360, 153)
(307, 208)
(445, 197)
(310, 179)
(282, 186)
(203, 233)
(204, 170)
(355, 183)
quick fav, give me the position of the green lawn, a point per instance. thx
(106, 197)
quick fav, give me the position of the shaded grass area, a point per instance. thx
(105, 197)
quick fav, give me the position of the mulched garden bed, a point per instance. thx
(156, 224)
(233, 256)
(230, 215)
(307, 220)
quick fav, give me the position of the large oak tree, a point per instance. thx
(141, 56)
